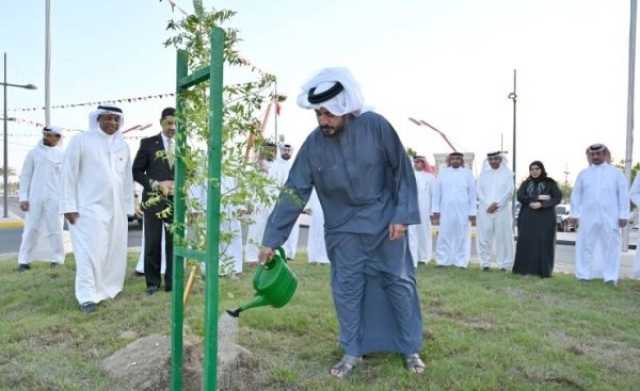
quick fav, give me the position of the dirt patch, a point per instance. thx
(477, 324)
(465, 321)
(613, 355)
(516, 293)
(145, 364)
(564, 381)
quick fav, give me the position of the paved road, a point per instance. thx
(565, 253)
(10, 239)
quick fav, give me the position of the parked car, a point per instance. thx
(563, 211)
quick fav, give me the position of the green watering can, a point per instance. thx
(274, 284)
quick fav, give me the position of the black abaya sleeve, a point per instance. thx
(522, 195)
(556, 196)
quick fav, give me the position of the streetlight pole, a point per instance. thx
(5, 172)
(5, 175)
(514, 97)
(630, 116)
(47, 64)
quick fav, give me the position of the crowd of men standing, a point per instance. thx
(600, 205)
(91, 184)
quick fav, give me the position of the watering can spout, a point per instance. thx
(258, 301)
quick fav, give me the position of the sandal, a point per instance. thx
(345, 366)
(414, 363)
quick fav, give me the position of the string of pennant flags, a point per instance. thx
(101, 102)
(134, 99)
(127, 132)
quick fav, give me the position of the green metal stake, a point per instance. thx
(212, 72)
(213, 209)
(177, 306)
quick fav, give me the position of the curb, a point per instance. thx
(11, 223)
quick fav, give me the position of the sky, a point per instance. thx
(447, 62)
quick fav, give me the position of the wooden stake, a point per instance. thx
(187, 289)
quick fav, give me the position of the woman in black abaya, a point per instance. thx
(538, 196)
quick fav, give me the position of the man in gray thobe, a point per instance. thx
(367, 190)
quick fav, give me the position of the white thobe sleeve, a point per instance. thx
(623, 197)
(506, 197)
(471, 189)
(634, 193)
(481, 196)
(576, 198)
(25, 177)
(430, 184)
(70, 172)
(435, 197)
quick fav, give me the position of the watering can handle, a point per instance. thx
(280, 250)
(270, 263)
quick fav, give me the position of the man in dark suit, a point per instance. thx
(153, 169)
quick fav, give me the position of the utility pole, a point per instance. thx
(5, 174)
(514, 97)
(47, 63)
(5, 141)
(630, 95)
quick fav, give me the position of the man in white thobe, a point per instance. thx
(261, 211)
(163, 260)
(97, 194)
(634, 195)
(600, 206)
(139, 271)
(230, 250)
(420, 237)
(40, 186)
(284, 164)
(495, 222)
(454, 206)
(316, 246)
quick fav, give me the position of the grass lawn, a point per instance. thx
(483, 331)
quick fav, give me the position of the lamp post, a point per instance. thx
(514, 97)
(47, 63)
(5, 84)
(630, 108)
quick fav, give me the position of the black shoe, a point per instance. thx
(23, 267)
(486, 269)
(503, 270)
(88, 307)
(138, 274)
(53, 264)
(152, 290)
(167, 289)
